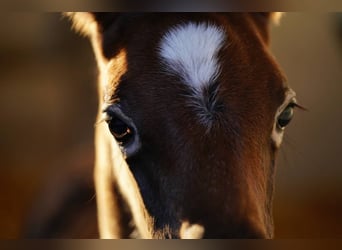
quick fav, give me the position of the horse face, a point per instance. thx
(197, 105)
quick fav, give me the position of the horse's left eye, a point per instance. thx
(285, 117)
(123, 129)
(120, 130)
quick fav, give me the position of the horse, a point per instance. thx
(191, 114)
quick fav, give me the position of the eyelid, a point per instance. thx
(290, 97)
(107, 114)
(293, 102)
(113, 110)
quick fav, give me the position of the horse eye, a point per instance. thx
(285, 117)
(120, 130)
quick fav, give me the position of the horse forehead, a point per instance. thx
(207, 57)
(193, 52)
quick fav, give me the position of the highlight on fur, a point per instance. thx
(191, 231)
(82, 22)
(276, 17)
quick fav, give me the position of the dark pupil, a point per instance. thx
(285, 117)
(119, 129)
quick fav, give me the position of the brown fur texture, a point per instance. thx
(185, 180)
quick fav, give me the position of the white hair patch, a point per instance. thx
(190, 50)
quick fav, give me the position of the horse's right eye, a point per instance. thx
(286, 116)
(120, 130)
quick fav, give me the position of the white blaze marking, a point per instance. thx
(190, 50)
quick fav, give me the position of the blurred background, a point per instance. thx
(48, 106)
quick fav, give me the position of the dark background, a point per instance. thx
(48, 106)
